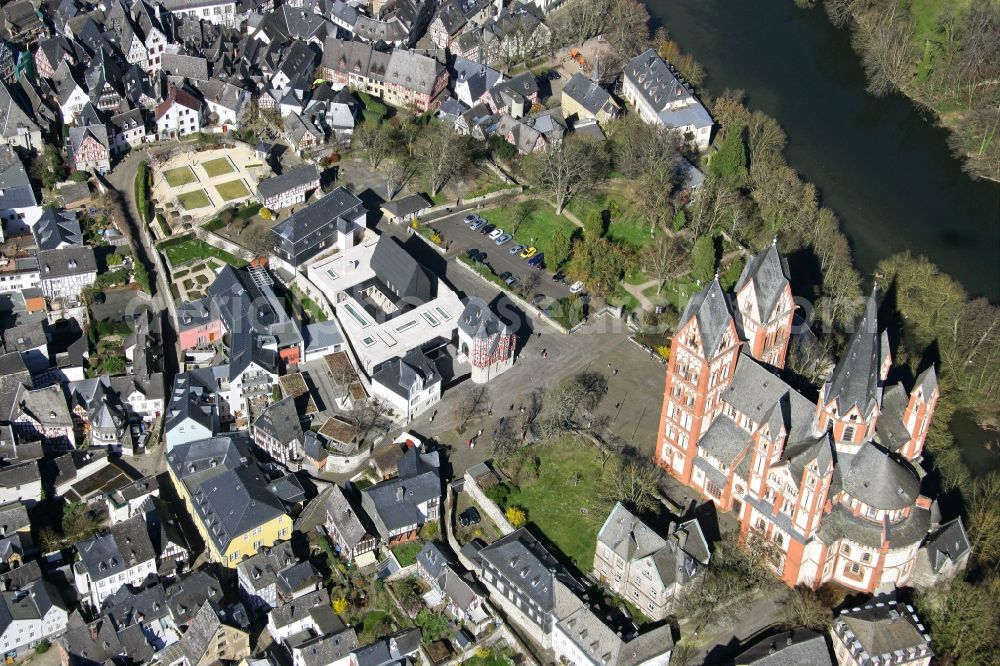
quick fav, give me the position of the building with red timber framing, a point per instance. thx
(832, 483)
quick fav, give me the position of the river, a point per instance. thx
(881, 165)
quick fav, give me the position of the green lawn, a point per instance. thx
(187, 248)
(407, 552)
(217, 167)
(179, 176)
(628, 226)
(568, 514)
(536, 229)
(234, 189)
(192, 200)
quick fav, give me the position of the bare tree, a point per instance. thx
(803, 608)
(567, 168)
(583, 390)
(376, 141)
(662, 259)
(505, 440)
(632, 482)
(531, 409)
(530, 283)
(371, 418)
(397, 172)
(473, 404)
(442, 154)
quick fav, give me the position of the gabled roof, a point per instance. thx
(629, 537)
(711, 309)
(56, 228)
(948, 543)
(818, 450)
(125, 545)
(281, 421)
(15, 187)
(855, 380)
(342, 513)
(724, 439)
(299, 176)
(767, 273)
(589, 94)
(398, 269)
(178, 96)
(407, 375)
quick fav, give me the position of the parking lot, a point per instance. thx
(462, 239)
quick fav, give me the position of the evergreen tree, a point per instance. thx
(703, 259)
(729, 164)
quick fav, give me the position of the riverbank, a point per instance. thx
(878, 162)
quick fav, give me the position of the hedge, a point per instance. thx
(142, 191)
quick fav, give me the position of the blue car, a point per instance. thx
(537, 260)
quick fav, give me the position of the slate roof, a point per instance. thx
(874, 477)
(605, 646)
(629, 537)
(296, 609)
(22, 474)
(342, 513)
(392, 504)
(407, 205)
(12, 115)
(800, 454)
(877, 631)
(193, 397)
(590, 95)
(324, 650)
(230, 497)
(66, 262)
(398, 269)
(15, 187)
(408, 374)
(299, 176)
(388, 650)
(186, 596)
(892, 431)
(281, 421)
(125, 545)
(202, 629)
(301, 232)
(855, 379)
(790, 648)
(711, 309)
(724, 439)
(526, 564)
(948, 542)
(46, 405)
(756, 392)
(767, 272)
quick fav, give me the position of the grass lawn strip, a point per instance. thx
(233, 189)
(568, 515)
(179, 176)
(217, 167)
(192, 200)
(536, 230)
(186, 249)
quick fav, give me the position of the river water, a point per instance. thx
(882, 166)
(878, 162)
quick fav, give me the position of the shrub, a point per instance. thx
(516, 516)
(265, 214)
(142, 191)
(43, 646)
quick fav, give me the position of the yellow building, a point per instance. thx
(228, 497)
(587, 100)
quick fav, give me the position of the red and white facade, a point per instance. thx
(733, 430)
(485, 342)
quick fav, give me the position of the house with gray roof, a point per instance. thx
(56, 229)
(30, 615)
(347, 526)
(327, 650)
(278, 432)
(66, 272)
(393, 650)
(21, 482)
(330, 223)
(409, 384)
(943, 555)
(18, 127)
(229, 497)
(193, 409)
(122, 556)
(290, 188)
(43, 414)
(585, 99)
(649, 570)
(661, 97)
(463, 598)
(186, 595)
(89, 148)
(276, 576)
(19, 208)
(399, 507)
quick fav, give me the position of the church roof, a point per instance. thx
(712, 311)
(874, 477)
(855, 379)
(768, 274)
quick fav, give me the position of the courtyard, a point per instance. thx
(195, 185)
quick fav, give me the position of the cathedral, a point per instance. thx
(833, 484)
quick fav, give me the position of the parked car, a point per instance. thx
(463, 519)
(472, 513)
(496, 233)
(478, 224)
(559, 276)
(480, 257)
(471, 254)
(529, 252)
(518, 249)
(503, 276)
(511, 281)
(576, 288)
(488, 229)
(469, 219)
(537, 261)
(504, 238)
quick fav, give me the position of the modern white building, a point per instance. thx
(410, 384)
(178, 115)
(386, 302)
(221, 12)
(29, 616)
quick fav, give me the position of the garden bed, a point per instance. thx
(234, 189)
(179, 176)
(217, 167)
(193, 200)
